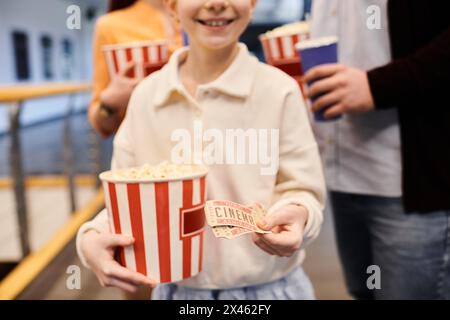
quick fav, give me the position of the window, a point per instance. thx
(307, 6)
(20, 46)
(278, 11)
(67, 53)
(47, 50)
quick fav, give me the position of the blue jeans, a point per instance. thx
(411, 249)
(294, 286)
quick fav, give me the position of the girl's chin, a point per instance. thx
(217, 43)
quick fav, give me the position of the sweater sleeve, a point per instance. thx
(300, 177)
(123, 157)
(100, 69)
(413, 78)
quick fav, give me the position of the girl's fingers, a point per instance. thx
(117, 240)
(127, 68)
(264, 246)
(125, 274)
(118, 283)
(132, 82)
(284, 242)
(277, 251)
(271, 221)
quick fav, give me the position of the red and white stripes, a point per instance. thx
(280, 52)
(281, 48)
(167, 221)
(147, 56)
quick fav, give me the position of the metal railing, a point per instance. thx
(14, 97)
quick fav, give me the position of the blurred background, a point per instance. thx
(50, 157)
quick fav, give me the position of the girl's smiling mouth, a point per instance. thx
(215, 23)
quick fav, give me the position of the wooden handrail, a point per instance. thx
(18, 93)
(50, 181)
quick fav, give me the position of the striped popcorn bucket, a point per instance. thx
(148, 56)
(279, 51)
(166, 219)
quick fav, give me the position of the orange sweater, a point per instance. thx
(136, 23)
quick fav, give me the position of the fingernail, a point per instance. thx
(263, 223)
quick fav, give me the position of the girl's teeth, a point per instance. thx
(216, 23)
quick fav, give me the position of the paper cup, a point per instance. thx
(166, 219)
(279, 50)
(316, 52)
(148, 56)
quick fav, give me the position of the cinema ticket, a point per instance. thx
(230, 220)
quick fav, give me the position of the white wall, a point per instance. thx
(37, 18)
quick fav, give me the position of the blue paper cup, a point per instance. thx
(316, 52)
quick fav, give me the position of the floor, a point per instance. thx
(49, 210)
(322, 264)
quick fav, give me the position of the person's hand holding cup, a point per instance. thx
(340, 89)
(118, 92)
(314, 53)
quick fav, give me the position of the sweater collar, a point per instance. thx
(235, 81)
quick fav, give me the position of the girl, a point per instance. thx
(217, 82)
(126, 21)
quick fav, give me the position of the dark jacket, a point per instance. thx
(417, 82)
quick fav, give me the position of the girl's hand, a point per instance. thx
(287, 225)
(344, 89)
(98, 249)
(117, 95)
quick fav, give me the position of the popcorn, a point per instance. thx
(164, 170)
(289, 29)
